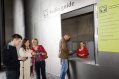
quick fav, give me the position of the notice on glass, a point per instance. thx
(108, 25)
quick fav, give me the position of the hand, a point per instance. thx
(81, 54)
(80, 50)
(22, 58)
(70, 52)
(31, 51)
(43, 53)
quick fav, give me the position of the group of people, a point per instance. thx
(36, 54)
(20, 64)
(30, 59)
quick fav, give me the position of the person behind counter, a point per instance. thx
(82, 51)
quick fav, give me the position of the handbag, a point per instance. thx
(45, 55)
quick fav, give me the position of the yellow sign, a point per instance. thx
(108, 25)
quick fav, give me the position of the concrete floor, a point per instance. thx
(49, 76)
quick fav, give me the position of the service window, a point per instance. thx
(80, 28)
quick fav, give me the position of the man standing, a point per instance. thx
(64, 54)
(11, 59)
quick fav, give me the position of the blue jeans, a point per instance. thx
(64, 68)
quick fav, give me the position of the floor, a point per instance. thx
(49, 76)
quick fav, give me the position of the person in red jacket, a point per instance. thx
(82, 51)
(39, 59)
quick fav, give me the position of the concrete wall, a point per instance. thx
(9, 19)
(14, 18)
(19, 25)
(44, 19)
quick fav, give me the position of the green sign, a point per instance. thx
(108, 25)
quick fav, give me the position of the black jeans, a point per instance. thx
(12, 74)
(40, 67)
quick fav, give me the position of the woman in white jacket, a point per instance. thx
(25, 51)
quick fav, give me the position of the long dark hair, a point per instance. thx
(23, 43)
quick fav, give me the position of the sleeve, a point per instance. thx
(63, 46)
(14, 56)
(5, 57)
(10, 57)
(21, 52)
(32, 50)
(86, 52)
(42, 49)
(78, 52)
